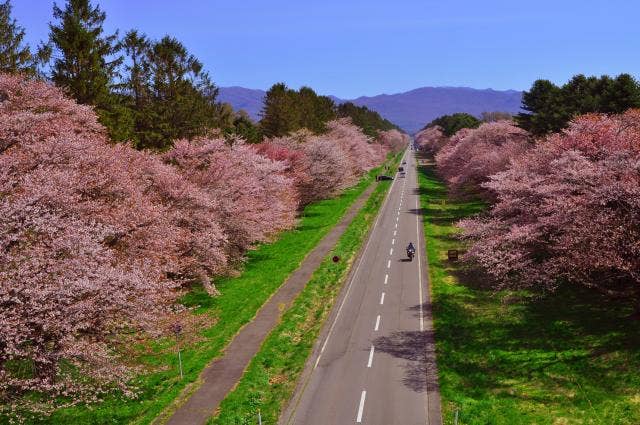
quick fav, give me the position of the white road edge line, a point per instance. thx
(426, 395)
(361, 406)
(370, 362)
(382, 299)
(419, 267)
(377, 323)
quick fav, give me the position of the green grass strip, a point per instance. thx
(519, 357)
(271, 377)
(266, 268)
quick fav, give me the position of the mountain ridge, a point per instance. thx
(410, 110)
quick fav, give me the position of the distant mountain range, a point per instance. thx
(409, 110)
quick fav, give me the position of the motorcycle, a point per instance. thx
(410, 254)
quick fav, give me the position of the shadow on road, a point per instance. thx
(418, 211)
(418, 349)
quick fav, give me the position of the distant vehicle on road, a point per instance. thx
(411, 251)
(401, 169)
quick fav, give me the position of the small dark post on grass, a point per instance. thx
(452, 255)
(335, 258)
(177, 330)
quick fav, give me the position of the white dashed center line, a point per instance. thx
(370, 362)
(377, 323)
(382, 299)
(361, 406)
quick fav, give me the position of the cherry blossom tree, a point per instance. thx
(431, 139)
(323, 165)
(95, 239)
(255, 199)
(393, 140)
(472, 155)
(72, 271)
(297, 165)
(355, 145)
(330, 169)
(568, 211)
(33, 110)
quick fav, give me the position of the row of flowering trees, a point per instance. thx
(97, 239)
(564, 209)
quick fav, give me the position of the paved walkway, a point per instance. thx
(225, 371)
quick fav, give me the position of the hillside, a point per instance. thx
(409, 110)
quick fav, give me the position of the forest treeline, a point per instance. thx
(151, 92)
(549, 108)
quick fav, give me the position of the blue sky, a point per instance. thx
(350, 48)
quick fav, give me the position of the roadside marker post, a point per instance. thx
(177, 329)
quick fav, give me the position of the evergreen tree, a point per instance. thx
(171, 95)
(278, 113)
(244, 127)
(549, 107)
(369, 121)
(138, 76)
(87, 59)
(545, 108)
(15, 55)
(286, 110)
(312, 111)
(620, 94)
(450, 124)
(183, 94)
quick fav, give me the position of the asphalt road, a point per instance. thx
(375, 360)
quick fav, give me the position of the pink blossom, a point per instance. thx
(431, 140)
(567, 211)
(255, 199)
(472, 155)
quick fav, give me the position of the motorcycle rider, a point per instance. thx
(411, 248)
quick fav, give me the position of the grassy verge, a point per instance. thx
(524, 358)
(267, 267)
(271, 377)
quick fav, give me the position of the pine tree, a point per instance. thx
(171, 95)
(15, 55)
(277, 112)
(546, 109)
(136, 47)
(87, 60)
